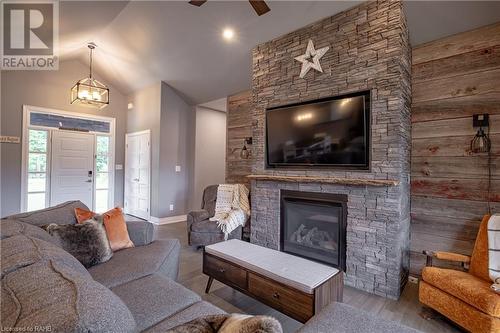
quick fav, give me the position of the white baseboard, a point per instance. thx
(167, 220)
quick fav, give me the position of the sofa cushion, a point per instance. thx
(206, 226)
(164, 298)
(160, 256)
(20, 251)
(466, 287)
(60, 214)
(51, 294)
(140, 232)
(196, 310)
(10, 227)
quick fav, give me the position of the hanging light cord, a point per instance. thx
(91, 49)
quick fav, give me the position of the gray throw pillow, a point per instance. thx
(87, 241)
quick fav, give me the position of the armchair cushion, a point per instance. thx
(197, 216)
(206, 226)
(479, 259)
(468, 288)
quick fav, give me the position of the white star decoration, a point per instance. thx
(311, 59)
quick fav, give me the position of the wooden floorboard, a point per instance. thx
(406, 310)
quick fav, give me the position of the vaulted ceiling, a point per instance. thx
(141, 42)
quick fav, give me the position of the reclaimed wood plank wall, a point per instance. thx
(239, 126)
(452, 79)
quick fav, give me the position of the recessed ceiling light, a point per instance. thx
(228, 33)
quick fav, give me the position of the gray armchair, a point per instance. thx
(202, 231)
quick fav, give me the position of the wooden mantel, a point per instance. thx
(326, 180)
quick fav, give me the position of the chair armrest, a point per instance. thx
(197, 216)
(141, 232)
(449, 256)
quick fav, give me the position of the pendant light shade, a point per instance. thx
(480, 143)
(89, 91)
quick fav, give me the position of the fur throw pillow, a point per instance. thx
(87, 241)
(230, 323)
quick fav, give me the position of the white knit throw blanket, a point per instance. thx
(232, 208)
(494, 251)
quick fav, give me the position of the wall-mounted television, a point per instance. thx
(332, 132)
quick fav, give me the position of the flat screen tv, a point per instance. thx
(327, 133)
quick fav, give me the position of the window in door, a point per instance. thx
(103, 179)
(37, 169)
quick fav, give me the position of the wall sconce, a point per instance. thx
(245, 153)
(481, 142)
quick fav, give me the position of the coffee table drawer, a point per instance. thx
(290, 301)
(224, 271)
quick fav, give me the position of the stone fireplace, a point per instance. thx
(313, 226)
(368, 51)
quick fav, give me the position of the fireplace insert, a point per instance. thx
(313, 226)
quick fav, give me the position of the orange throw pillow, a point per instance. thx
(114, 223)
(83, 215)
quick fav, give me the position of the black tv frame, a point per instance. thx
(300, 166)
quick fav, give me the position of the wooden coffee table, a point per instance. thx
(295, 286)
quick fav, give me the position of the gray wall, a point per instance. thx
(177, 125)
(210, 151)
(50, 89)
(144, 115)
(171, 120)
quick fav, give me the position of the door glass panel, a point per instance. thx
(102, 180)
(36, 182)
(36, 201)
(37, 162)
(37, 141)
(102, 145)
(101, 201)
(102, 163)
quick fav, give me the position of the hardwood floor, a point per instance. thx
(406, 310)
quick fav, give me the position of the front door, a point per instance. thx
(137, 174)
(72, 167)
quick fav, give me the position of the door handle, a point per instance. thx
(136, 179)
(89, 181)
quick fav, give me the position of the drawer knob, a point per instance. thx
(222, 270)
(276, 295)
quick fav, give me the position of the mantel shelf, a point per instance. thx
(326, 180)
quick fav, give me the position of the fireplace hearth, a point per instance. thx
(313, 226)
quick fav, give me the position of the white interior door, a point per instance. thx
(72, 167)
(137, 174)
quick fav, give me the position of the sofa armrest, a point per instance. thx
(141, 232)
(197, 216)
(449, 256)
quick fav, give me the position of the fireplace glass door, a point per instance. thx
(313, 228)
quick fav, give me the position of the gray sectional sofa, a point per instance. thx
(44, 288)
(135, 291)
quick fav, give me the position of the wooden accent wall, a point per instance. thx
(239, 126)
(452, 79)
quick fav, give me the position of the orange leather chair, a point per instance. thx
(464, 296)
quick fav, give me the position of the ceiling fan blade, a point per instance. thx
(197, 3)
(259, 6)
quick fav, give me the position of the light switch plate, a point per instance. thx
(177, 168)
(119, 167)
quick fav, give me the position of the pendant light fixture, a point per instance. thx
(245, 153)
(481, 142)
(89, 91)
